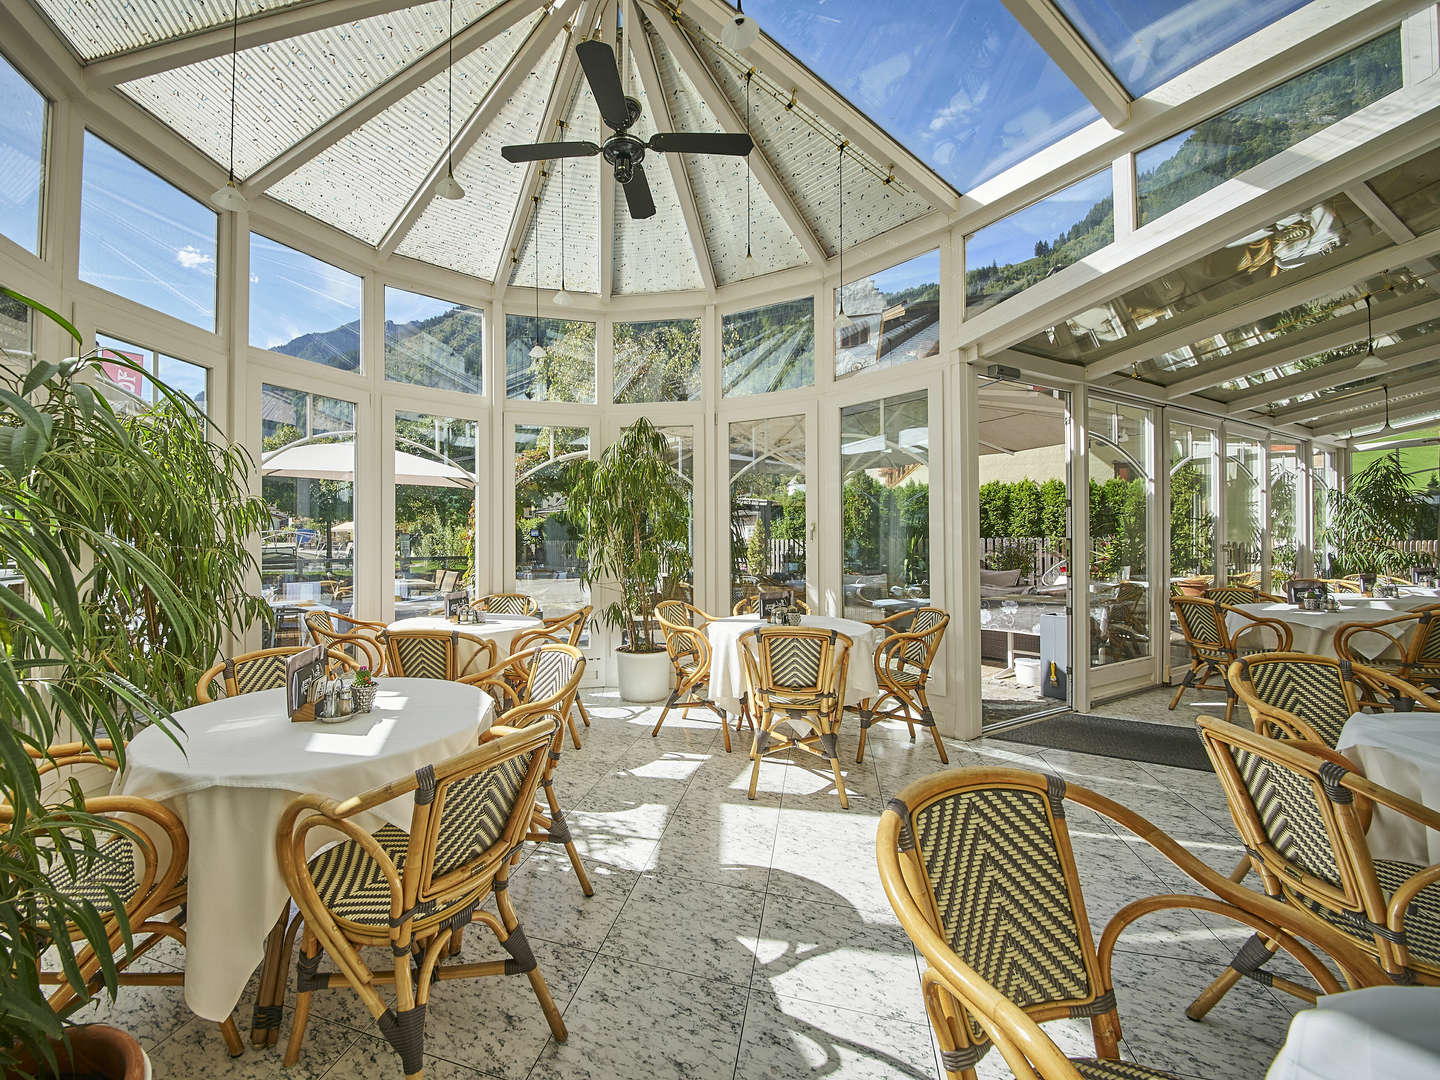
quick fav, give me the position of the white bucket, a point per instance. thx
(1027, 671)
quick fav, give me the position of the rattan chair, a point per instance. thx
(1411, 639)
(434, 654)
(139, 858)
(264, 669)
(902, 668)
(1302, 696)
(1232, 594)
(1213, 647)
(1302, 810)
(507, 603)
(689, 650)
(414, 891)
(358, 638)
(978, 865)
(795, 675)
(552, 676)
(1421, 573)
(749, 605)
(560, 630)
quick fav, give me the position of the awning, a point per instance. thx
(336, 461)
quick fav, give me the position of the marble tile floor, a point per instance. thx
(735, 939)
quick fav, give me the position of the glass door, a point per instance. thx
(1193, 450)
(546, 540)
(1026, 667)
(767, 508)
(1244, 507)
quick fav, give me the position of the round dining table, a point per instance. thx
(501, 629)
(1399, 751)
(1314, 631)
(727, 672)
(230, 771)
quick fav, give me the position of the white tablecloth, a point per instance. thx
(1314, 631)
(501, 629)
(1399, 751)
(727, 673)
(239, 764)
(1383, 1033)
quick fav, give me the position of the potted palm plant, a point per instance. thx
(635, 508)
(127, 527)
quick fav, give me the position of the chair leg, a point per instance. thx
(757, 755)
(1248, 958)
(669, 704)
(939, 745)
(560, 832)
(929, 721)
(584, 713)
(231, 1035)
(865, 722)
(537, 981)
(574, 731)
(1185, 683)
(309, 949)
(839, 783)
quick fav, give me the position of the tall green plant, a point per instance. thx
(636, 509)
(1370, 516)
(129, 532)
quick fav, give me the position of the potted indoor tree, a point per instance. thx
(635, 511)
(128, 527)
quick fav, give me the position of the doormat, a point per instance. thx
(1109, 736)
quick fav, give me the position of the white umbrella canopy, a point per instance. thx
(336, 461)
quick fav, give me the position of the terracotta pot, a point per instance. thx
(1193, 587)
(96, 1050)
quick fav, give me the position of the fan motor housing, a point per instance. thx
(624, 152)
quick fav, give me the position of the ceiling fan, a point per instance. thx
(622, 150)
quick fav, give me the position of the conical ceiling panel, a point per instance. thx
(99, 28)
(720, 184)
(581, 206)
(362, 183)
(807, 161)
(654, 254)
(286, 89)
(467, 234)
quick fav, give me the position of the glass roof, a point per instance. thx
(1145, 43)
(898, 64)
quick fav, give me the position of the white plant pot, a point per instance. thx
(643, 676)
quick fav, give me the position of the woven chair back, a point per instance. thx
(675, 612)
(992, 870)
(928, 624)
(508, 604)
(252, 672)
(1425, 645)
(423, 654)
(1202, 621)
(1317, 690)
(1232, 594)
(795, 660)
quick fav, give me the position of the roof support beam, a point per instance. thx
(1053, 32)
(827, 105)
(263, 28)
(490, 25)
(688, 59)
(1428, 391)
(523, 63)
(1313, 340)
(639, 41)
(563, 89)
(1422, 354)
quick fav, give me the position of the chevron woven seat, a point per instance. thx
(902, 669)
(252, 672)
(1214, 647)
(513, 603)
(979, 867)
(1407, 646)
(1302, 810)
(689, 650)
(415, 890)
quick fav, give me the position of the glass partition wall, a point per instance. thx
(1244, 508)
(1122, 493)
(768, 511)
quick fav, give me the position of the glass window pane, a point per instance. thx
(897, 63)
(768, 348)
(144, 239)
(189, 379)
(22, 150)
(657, 361)
(885, 505)
(308, 553)
(547, 541)
(192, 380)
(303, 307)
(1017, 251)
(1287, 485)
(434, 508)
(1322, 482)
(681, 441)
(564, 370)
(15, 341)
(1172, 173)
(1192, 502)
(767, 506)
(431, 342)
(894, 316)
(1147, 44)
(1119, 441)
(1244, 495)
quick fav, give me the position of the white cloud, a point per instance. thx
(192, 258)
(254, 279)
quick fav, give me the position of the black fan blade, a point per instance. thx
(697, 142)
(548, 151)
(598, 60)
(637, 195)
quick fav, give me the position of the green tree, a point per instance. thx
(1054, 509)
(995, 509)
(1025, 509)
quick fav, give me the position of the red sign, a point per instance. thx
(127, 379)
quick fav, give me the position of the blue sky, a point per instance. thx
(406, 307)
(292, 293)
(1012, 239)
(921, 270)
(22, 137)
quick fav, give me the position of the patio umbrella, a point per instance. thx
(336, 461)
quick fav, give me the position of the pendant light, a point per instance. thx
(740, 31)
(450, 187)
(537, 351)
(841, 319)
(1371, 362)
(749, 258)
(229, 197)
(562, 298)
(1387, 429)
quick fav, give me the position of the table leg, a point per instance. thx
(269, 1002)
